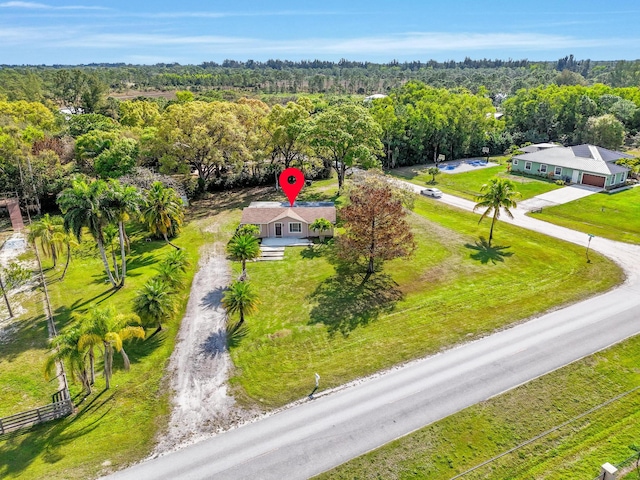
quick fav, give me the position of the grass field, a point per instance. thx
(609, 215)
(453, 289)
(468, 184)
(309, 320)
(115, 427)
(481, 432)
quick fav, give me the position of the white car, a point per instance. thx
(431, 192)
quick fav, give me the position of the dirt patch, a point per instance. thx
(200, 364)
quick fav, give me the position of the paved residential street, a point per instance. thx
(319, 434)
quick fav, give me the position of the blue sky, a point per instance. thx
(85, 31)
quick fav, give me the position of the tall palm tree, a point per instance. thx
(83, 205)
(122, 201)
(65, 349)
(244, 247)
(68, 241)
(106, 329)
(154, 303)
(48, 230)
(240, 298)
(110, 234)
(163, 211)
(499, 194)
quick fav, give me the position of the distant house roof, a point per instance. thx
(536, 147)
(375, 96)
(589, 158)
(262, 213)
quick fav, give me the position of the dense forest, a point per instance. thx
(240, 124)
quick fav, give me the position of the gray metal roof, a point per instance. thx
(588, 158)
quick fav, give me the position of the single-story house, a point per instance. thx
(581, 164)
(277, 219)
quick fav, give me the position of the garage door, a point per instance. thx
(595, 180)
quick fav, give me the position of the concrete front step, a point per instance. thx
(269, 259)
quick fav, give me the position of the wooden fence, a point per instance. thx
(61, 406)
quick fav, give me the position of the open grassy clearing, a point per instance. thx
(111, 428)
(609, 215)
(468, 184)
(478, 433)
(453, 289)
(23, 350)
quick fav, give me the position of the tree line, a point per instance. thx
(198, 143)
(499, 77)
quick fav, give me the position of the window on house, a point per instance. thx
(543, 168)
(558, 171)
(515, 161)
(295, 228)
(527, 166)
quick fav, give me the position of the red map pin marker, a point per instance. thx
(291, 181)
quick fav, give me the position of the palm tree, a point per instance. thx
(106, 329)
(68, 242)
(170, 274)
(240, 298)
(122, 201)
(178, 259)
(154, 303)
(48, 230)
(321, 225)
(110, 234)
(243, 248)
(499, 194)
(163, 211)
(83, 205)
(65, 349)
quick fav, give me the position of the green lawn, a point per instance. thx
(453, 289)
(610, 215)
(115, 427)
(478, 433)
(468, 184)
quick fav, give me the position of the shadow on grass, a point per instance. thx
(21, 448)
(138, 349)
(486, 253)
(235, 334)
(343, 303)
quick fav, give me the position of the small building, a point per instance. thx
(277, 220)
(580, 164)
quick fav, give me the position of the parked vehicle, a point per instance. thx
(431, 192)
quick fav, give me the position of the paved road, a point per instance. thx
(320, 434)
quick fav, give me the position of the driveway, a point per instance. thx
(317, 435)
(558, 197)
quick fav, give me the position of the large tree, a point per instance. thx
(201, 136)
(499, 194)
(84, 205)
(345, 136)
(375, 226)
(605, 131)
(285, 126)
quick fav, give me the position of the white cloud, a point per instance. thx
(43, 6)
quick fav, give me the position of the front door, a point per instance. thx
(278, 229)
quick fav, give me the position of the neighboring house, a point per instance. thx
(536, 147)
(277, 219)
(582, 164)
